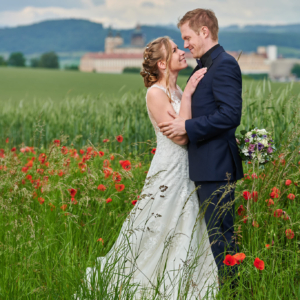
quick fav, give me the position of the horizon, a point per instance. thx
(106, 26)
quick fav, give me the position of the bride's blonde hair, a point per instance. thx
(153, 53)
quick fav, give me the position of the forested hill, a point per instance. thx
(74, 35)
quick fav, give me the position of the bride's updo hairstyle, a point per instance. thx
(153, 53)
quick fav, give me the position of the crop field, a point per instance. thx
(64, 194)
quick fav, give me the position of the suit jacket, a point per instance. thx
(216, 113)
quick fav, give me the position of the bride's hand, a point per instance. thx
(194, 81)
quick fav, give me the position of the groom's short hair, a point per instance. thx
(201, 17)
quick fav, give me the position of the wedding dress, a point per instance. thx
(164, 242)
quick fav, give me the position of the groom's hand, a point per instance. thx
(173, 128)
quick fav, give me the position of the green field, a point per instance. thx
(47, 240)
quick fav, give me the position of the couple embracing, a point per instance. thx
(180, 230)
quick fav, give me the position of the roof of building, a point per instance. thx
(102, 55)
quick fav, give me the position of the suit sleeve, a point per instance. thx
(227, 91)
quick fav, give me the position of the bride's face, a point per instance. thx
(178, 61)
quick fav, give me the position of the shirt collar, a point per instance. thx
(204, 58)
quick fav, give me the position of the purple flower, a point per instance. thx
(264, 136)
(246, 140)
(270, 150)
(260, 146)
(253, 135)
(251, 147)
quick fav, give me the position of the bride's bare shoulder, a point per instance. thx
(156, 94)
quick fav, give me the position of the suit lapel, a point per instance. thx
(195, 70)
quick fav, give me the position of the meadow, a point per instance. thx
(64, 194)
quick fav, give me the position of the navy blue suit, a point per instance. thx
(212, 149)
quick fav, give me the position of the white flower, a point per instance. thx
(248, 134)
(264, 142)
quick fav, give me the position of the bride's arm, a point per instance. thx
(158, 104)
(186, 100)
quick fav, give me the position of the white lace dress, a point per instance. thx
(164, 236)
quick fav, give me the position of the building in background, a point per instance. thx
(118, 56)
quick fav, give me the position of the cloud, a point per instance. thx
(147, 4)
(125, 14)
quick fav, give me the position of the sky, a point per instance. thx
(127, 13)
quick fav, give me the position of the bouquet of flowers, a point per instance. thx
(256, 145)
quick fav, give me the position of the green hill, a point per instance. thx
(74, 35)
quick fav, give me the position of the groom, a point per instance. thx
(214, 161)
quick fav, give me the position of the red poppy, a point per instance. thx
(126, 165)
(74, 201)
(291, 196)
(246, 176)
(112, 157)
(229, 260)
(241, 210)
(245, 218)
(24, 169)
(278, 213)
(40, 171)
(42, 158)
(89, 150)
(107, 172)
(247, 195)
(41, 200)
(81, 151)
(101, 240)
(119, 187)
(56, 142)
(101, 153)
(117, 177)
(134, 202)
(254, 176)
(64, 206)
(153, 150)
(274, 195)
(64, 150)
(108, 200)
(61, 173)
(289, 234)
(119, 138)
(239, 257)
(105, 140)
(101, 187)
(268, 246)
(255, 196)
(262, 176)
(275, 190)
(13, 149)
(283, 162)
(23, 181)
(72, 192)
(7, 140)
(86, 157)
(288, 182)
(106, 163)
(270, 202)
(259, 264)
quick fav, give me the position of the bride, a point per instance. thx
(163, 247)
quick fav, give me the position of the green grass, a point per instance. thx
(44, 252)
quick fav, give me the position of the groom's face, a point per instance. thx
(193, 41)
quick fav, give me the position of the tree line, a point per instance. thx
(46, 60)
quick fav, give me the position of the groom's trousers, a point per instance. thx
(218, 203)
